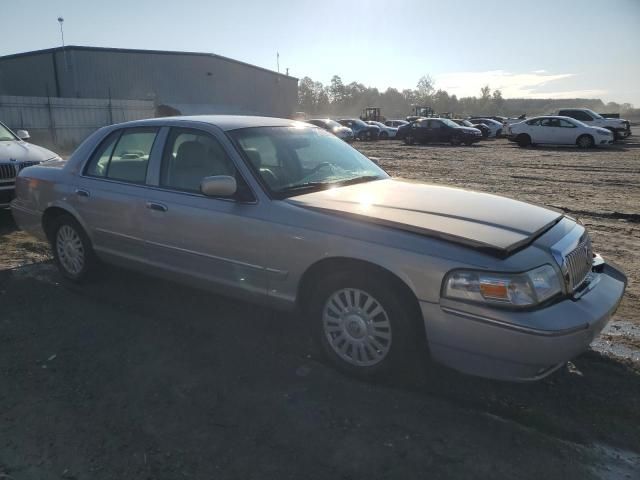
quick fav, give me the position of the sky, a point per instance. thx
(534, 48)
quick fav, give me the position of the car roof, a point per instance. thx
(224, 122)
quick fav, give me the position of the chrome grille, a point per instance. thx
(7, 171)
(578, 263)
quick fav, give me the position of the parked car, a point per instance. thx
(439, 130)
(556, 130)
(486, 131)
(16, 154)
(496, 128)
(285, 214)
(619, 127)
(385, 131)
(361, 130)
(344, 133)
(395, 123)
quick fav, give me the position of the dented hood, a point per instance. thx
(492, 223)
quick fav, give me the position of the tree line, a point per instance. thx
(340, 99)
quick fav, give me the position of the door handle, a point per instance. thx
(157, 207)
(82, 193)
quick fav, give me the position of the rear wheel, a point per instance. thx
(409, 140)
(585, 141)
(523, 140)
(363, 324)
(72, 248)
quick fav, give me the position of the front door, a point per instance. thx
(215, 240)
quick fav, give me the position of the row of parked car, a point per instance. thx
(581, 127)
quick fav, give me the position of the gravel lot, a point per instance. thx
(132, 377)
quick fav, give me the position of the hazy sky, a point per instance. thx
(534, 48)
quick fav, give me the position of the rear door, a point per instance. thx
(109, 194)
(550, 131)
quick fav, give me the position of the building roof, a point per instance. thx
(135, 50)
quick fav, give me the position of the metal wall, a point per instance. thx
(62, 123)
(199, 83)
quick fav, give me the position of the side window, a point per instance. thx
(566, 124)
(97, 166)
(189, 156)
(130, 156)
(123, 155)
(546, 122)
(534, 123)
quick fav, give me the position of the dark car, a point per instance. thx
(480, 126)
(438, 130)
(343, 133)
(361, 130)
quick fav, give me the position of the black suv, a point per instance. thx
(440, 130)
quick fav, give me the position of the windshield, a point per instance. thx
(6, 134)
(449, 123)
(293, 160)
(594, 114)
(467, 123)
(332, 123)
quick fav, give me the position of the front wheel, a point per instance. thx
(384, 135)
(363, 325)
(455, 140)
(409, 140)
(72, 248)
(585, 141)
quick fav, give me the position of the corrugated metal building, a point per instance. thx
(188, 81)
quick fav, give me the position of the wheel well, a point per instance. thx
(344, 264)
(585, 135)
(48, 218)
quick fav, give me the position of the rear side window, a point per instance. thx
(124, 155)
(534, 123)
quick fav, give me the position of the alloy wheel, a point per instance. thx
(70, 249)
(357, 327)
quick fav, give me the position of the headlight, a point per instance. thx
(520, 289)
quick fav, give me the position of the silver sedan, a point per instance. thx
(286, 214)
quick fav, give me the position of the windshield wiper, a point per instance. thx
(362, 179)
(302, 186)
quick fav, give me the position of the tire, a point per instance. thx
(455, 140)
(585, 141)
(363, 324)
(468, 143)
(384, 136)
(485, 133)
(409, 139)
(72, 248)
(499, 133)
(523, 140)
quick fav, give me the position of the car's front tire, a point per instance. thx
(409, 139)
(384, 135)
(585, 141)
(363, 324)
(72, 248)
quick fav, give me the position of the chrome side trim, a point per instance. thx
(512, 326)
(280, 273)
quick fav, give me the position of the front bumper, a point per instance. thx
(520, 345)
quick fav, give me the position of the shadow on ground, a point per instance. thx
(129, 376)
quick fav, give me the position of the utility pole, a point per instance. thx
(278, 60)
(64, 52)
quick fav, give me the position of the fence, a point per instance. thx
(62, 123)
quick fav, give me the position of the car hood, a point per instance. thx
(15, 151)
(468, 129)
(497, 225)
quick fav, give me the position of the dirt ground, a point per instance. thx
(132, 377)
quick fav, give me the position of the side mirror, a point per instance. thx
(218, 186)
(23, 134)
